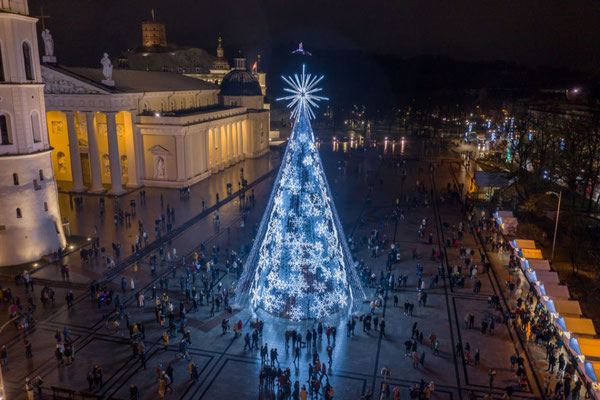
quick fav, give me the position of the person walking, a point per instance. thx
(491, 375)
(4, 355)
(416, 360)
(29, 389)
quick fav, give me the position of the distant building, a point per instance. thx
(30, 223)
(153, 34)
(158, 125)
(156, 54)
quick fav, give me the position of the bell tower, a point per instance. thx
(15, 6)
(30, 224)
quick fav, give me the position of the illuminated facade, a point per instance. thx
(152, 128)
(30, 224)
(300, 266)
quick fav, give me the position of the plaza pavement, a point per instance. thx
(226, 370)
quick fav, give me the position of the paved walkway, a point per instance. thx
(229, 371)
(86, 219)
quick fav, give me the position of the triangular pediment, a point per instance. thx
(159, 150)
(57, 82)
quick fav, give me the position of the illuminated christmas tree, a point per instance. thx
(300, 266)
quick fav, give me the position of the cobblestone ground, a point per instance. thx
(226, 369)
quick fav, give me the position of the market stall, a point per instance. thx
(542, 277)
(530, 254)
(547, 277)
(554, 291)
(585, 348)
(519, 244)
(507, 222)
(538, 265)
(576, 326)
(566, 308)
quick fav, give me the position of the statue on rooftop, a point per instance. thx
(48, 43)
(107, 67)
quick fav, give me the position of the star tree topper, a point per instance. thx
(303, 93)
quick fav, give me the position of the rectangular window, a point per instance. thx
(41, 175)
(2, 79)
(4, 134)
(36, 186)
(16, 179)
(45, 206)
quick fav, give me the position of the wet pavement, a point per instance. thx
(227, 370)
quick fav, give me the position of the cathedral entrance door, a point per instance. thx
(85, 169)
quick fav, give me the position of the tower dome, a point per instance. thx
(240, 82)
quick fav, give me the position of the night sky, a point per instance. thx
(546, 32)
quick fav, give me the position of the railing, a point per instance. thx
(58, 393)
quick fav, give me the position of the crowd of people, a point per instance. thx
(186, 285)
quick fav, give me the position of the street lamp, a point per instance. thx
(559, 195)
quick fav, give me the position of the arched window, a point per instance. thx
(41, 175)
(19, 215)
(35, 126)
(27, 61)
(16, 179)
(5, 136)
(146, 107)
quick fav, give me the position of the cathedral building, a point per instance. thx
(151, 128)
(152, 125)
(30, 223)
(104, 131)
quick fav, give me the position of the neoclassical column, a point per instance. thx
(241, 139)
(236, 141)
(218, 149)
(229, 144)
(224, 157)
(131, 142)
(94, 153)
(113, 153)
(76, 172)
(206, 165)
(234, 150)
(210, 143)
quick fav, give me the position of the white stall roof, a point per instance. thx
(539, 265)
(557, 291)
(547, 277)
